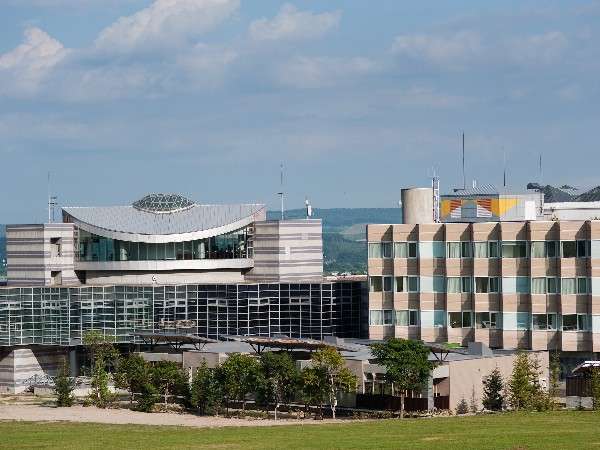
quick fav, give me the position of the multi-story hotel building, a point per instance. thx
(530, 284)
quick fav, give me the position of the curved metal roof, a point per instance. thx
(130, 220)
(163, 203)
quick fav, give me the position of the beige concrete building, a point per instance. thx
(530, 284)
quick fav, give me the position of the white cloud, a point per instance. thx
(164, 23)
(292, 24)
(538, 49)
(23, 68)
(315, 72)
(451, 50)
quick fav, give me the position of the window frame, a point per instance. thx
(515, 242)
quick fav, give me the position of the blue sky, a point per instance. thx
(118, 98)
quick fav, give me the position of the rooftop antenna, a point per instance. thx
(281, 193)
(52, 202)
(541, 188)
(463, 162)
(504, 156)
(435, 184)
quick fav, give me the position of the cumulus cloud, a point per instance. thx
(292, 24)
(448, 50)
(538, 49)
(24, 68)
(164, 23)
(315, 72)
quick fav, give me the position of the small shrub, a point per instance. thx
(462, 407)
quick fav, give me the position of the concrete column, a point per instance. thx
(73, 367)
(427, 392)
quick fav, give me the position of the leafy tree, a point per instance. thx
(205, 391)
(407, 365)
(63, 386)
(169, 379)
(595, 382)
(148, 397)
(102, 354)
(132, 373)
(238, 376)
(330, 367)
(492, 391)
(279, 378)
(314, 387)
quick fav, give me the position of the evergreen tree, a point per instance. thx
(63, 386)
(473, 406)
(519, 385)
(595, 385)
(553, 387)
(204, 390)
(102, 354)
(492, 391)
(462, 407)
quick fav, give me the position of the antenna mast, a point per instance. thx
(281, 193)
(463, 162)
(504, 156)
(435, 184)
(52, 202)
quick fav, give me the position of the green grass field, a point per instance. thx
(507, 431)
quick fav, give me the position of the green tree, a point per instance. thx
(169, 379)
(541, 400)
(63, 386)
(314, 387)
(148, 397)
(279, 379)
(462, 407)
(595, 386)
(493, 386)
(103, 354)
(330, 367)
(205, 390)
(407, 365)
(132, 373)
(524, 389)
(239, 376)
(553, 386)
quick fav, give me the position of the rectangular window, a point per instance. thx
(375, 284)
(569, 249)
(453, 285)
(538, 285)
(413, 284)
(413, 250)
(583, 285)
(375, 250)
(481, 249)
(514, 249)
(400, 284)
(552, 321)
(582, 322)
(466, 284)
(575, 322)
(439, 318)
(455, 319)
(375, 317)
(552, 249)
(400, 250)
(539, 321)
(453, 250)
(388, 317)
(568, 286)
(439, 284)
(386, 249)
(387, 284)
(413, 318)
(523, 320)
(538, 249)
(401, 318)
(582, 249)
(522, 285)
(493, 250)
(487, 320)
(408, 318)
(467, 319)
(439, 249)
(553, 286)
(466, 250)
(482, 285)
(494, 285)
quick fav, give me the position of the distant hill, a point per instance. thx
(344, 244)
(567, 193)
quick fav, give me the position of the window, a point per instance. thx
(439, 284)
(553, 286)
(485, 249)
(514, 249)
(569, 249)
(583, 249)
(568, 286)
(544, 321)
(407, 318)
(439, 318)
(388, 317)
(407, 284)
(387, 284)
(522, 285)
(466, 284)
(439, 249)
(453, 250)
(583, 285)
(375, 250)
(460, 319)
(453, 285)
(386, 249)
(400, 250)
(484, 285)
(523, 321)
(487, 320)
(538, 249)
(552, 249)
(575, 322)
(466, 249)
(538, 285)
(375, 284)
(412, 250)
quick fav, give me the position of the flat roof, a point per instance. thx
(284, 342)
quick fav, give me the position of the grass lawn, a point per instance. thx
(508, 431)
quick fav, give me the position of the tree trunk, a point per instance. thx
(276, 407)
(402, 405)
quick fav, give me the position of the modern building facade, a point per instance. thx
(525, 284)
(165, 264)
